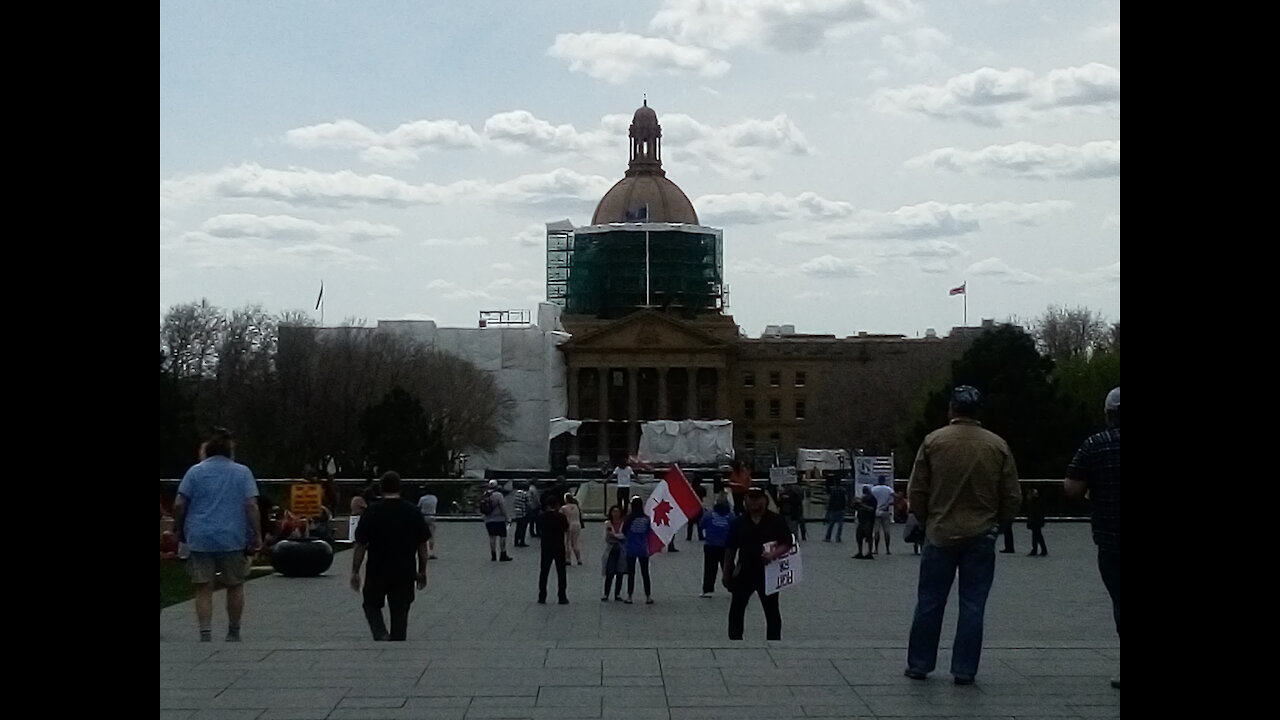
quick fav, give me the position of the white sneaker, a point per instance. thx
(1115, 681)
(705, 595)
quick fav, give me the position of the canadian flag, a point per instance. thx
(669, 508)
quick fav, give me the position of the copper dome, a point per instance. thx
(645, 194)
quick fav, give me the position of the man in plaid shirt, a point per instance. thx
(1096, 468)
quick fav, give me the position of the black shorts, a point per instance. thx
(496, 529)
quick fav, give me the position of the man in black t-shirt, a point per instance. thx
(745, 558)
(391, 532)
(552, 528)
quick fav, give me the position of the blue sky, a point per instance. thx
(862, 156)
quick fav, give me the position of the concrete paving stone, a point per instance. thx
(752, 658)
(1050, 668)
(433, 703)
(280, 698)
(474, 688)
(371, 702)
(294, 714)
(783, 676)
(198, 679)
(686, 657)
(624, 680)
(398, 714)
(652, 713)
(852, 707)
(696, 685)
(1107, 710)
(228, 714)
(570, 697)
(740, 697)
(532, 713)
(636, 697)
(771, 712)
(491, 660)
(176, 714)
(526, 676)
(194, 698)
(238, 655)
(523, 701)
(324, 657)
(385, 688)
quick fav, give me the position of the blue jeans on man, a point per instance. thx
(975, 561)
(835, 518)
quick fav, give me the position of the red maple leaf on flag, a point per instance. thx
(662, 513)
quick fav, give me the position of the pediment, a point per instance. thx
(647, 330)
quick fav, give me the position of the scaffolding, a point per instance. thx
(610, 270)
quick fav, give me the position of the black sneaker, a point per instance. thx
(505, 558)
(963, 680)
(915, 674)
(563, 601)
(542, 601)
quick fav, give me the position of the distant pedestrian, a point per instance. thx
(964, 483)
(837, 505)
(623, 475)
(694, 523)
(494, 509)
(552, 529)
(638, 533)
(534, 507)
(614, 560)
(744, 560)
(573, 537)
(393, 533)
(525, 512)
(428, 504)
(883, 493)
(216, 520)
(864, 511)
(715, 526)
(1096, 469)
(1035, 523)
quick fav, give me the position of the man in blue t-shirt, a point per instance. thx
(216, 515)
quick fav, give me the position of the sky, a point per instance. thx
(863, 157)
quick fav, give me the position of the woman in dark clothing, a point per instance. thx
(865, 510)
(615, 553)
(1035, 523)
(638, 527)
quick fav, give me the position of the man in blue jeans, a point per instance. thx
(1096, 469)
(963, 485)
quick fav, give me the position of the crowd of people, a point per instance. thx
(962, 495)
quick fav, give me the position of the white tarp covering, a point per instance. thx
(692, 442)
(560, 426)
(822, 459)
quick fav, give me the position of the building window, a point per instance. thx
(799, 409)
(749, 409)
(775, 379)
(775, 409)
(800, 378)
(775, 439)
(750, 443)
(749, 379)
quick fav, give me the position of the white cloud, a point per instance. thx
(207, 251)
(755, 208)
(830, 266)
(617, 57)
(931, 220)
(1104, 32)
(730, 149)
(1099, 159)
(289, 228)
(930, 249)
(794, 25)
(344, 188)
(917, 49)
(455, 242)
(503, 267)
(1105, 275)
(752, 266)
(399, 146)
(534, 235)
(996, 97)
(520, 128)
(998, 269)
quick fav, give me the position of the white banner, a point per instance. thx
(785, 571)
(782, 475)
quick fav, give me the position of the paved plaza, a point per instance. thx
(480, 647)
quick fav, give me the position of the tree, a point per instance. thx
(395, 434)
(1062, 333)
(1020, 402)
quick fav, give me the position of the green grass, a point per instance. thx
(175, 584)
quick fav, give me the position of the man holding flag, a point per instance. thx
(744, 560)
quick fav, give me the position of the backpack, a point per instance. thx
(487, 505)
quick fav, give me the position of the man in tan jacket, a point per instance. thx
(963, 485)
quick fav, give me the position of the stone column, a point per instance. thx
(573, 393)
(633, 409)
(662, 393)
(722, 394)
(692, 393)
(603, 383)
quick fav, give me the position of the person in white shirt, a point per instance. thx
(427, 505)
(623, 475)
(884, 513)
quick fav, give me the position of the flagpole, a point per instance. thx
(646, 262)
(966, 303)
